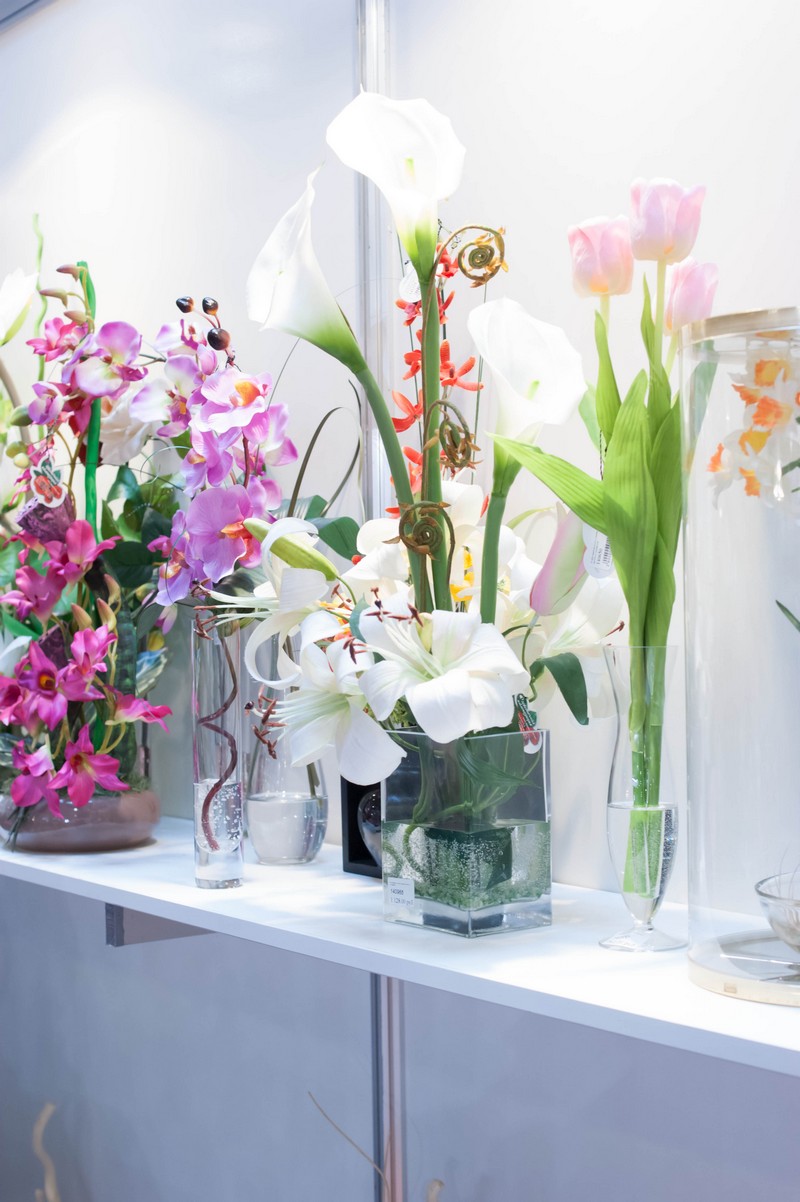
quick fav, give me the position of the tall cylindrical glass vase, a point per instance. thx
(741, 393)
(217, 738)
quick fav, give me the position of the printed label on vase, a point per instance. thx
(400, 891)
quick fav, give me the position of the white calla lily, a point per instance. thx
(410, 151)
(287, 291)
(328, 711)
(456, 673)
(536, 372)
(16, 294)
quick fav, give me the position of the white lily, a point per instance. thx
(328, 711)
(299, 595)
(12, 651)
(287, 291)
(384, 560)
(409, 150)
(16, 294)
(536, 372)
(456, 673)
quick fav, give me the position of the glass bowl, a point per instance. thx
(780, 899)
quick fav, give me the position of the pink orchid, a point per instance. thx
(34, 781)
(167, 400)
(136, 709)
(217, 534)
(11, 698)
(47, 403)
(562, 575)
(78, 552)
(108, 369)
(35, 594)
(690, 293)
(59, 336)
(602, 259)
(88, 648)
(43, 700)
(232, 401)
(176, 576)
(209, 461)
(84, 769)
(665, 219)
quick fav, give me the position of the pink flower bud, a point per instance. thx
(561, 577)
(602, 261)
(690, 293)
(665, 219)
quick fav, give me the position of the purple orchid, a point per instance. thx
(217, 534)
(35, 594)
(108, 368)
(137, 709)
(78, 552)
(47, 404)
(88, 649)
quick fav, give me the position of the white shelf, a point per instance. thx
(559, 972)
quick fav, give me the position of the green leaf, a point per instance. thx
(9, 562)
(661, 598)
(607, 393)
(700, 385)
(305, 507)
(660, 398)
(355, 619)
(131, 563)
(155, 525)
(787, 613)
(108, 523)
(579, 491)
(665, 469)
(630, 505)
(588, 411)
(567, 672)
(15, 627)
(340, 534)
(125, 485)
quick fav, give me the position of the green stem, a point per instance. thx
(394, 456)
(490, 565)
(92, 460)
(431, 472)
(673, 347)
(605, 311)
(661, 280)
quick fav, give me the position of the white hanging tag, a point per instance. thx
(409, 290)
(597, 559)
(46, 485)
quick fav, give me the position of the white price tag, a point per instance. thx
(400, 891)
(409, 290)
(598, 560)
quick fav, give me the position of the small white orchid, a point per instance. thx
(16, 294)
(536, 372)
(409, 150)
(456, 673)
(287, 291)
(328, 711)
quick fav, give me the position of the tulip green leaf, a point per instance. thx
(607, 393)
(665, 469)
(662, 596)
(579, 491)
(567, 672)
(659, 399)
(787, 613)
(629, 499)
(588, 411)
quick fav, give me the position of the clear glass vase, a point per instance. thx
(287, 807)
(642, 812)
(740, 380)
(466, 833)
(216, 739)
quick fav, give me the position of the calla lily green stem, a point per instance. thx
(431, 473)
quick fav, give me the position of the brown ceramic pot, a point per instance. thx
(109, 822)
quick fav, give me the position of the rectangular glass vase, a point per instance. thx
(466, 834)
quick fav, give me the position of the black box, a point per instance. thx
(355, 854)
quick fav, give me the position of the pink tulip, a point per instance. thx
(690, 293)
(665, 219)
(602, 260)
(562, 574)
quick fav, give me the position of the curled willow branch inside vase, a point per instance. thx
(216, 678)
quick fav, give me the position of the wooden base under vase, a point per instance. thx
(109, 822)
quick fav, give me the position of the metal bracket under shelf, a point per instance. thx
(125, 927)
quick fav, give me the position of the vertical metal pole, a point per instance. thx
(375, 259)
(388, 1091)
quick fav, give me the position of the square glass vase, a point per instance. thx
(465, 833)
